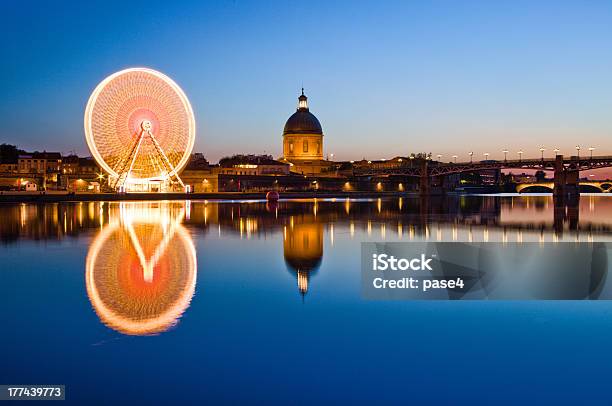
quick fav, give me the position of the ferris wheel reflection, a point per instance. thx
(141, 268)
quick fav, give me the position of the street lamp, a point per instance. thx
(505, 151)
(486, 155)
(439, 156)
(542, 149)
(578, 149)
(556, 151)
(455, 158)
(471, 153)
(520, 156)
(591, 149)
(331, 156)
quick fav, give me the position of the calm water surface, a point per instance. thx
(167, 302)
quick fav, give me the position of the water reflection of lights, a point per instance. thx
(489, 217)
(248, 226)
(141, 268)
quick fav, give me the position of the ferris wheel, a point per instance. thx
(140, 129)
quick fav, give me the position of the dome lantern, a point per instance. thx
(302, 102)
(303, 121)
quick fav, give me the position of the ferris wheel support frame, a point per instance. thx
(123, 164)
(146, 127)
(133, 154)
(167, 161)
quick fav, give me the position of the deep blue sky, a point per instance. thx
(384, 78)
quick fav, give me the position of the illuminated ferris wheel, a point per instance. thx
(140, 128)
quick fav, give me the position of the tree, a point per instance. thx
(9, 153)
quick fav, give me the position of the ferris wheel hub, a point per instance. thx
(146, 125)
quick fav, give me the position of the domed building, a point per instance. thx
(303, 141)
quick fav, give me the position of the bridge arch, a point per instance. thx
(590, 188)
(544, 187)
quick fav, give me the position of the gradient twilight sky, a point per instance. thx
(384, 78)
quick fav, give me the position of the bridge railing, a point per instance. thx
(573, 158)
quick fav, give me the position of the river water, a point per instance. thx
(251, 302)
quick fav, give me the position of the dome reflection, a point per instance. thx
(303, 250)
(141, 269)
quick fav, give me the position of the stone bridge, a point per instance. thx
(548, 187)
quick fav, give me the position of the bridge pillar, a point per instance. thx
(566, 183)
(566, 196)
(424, 181)
(559, 178)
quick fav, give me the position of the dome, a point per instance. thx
(296, 264)
(303, 121)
